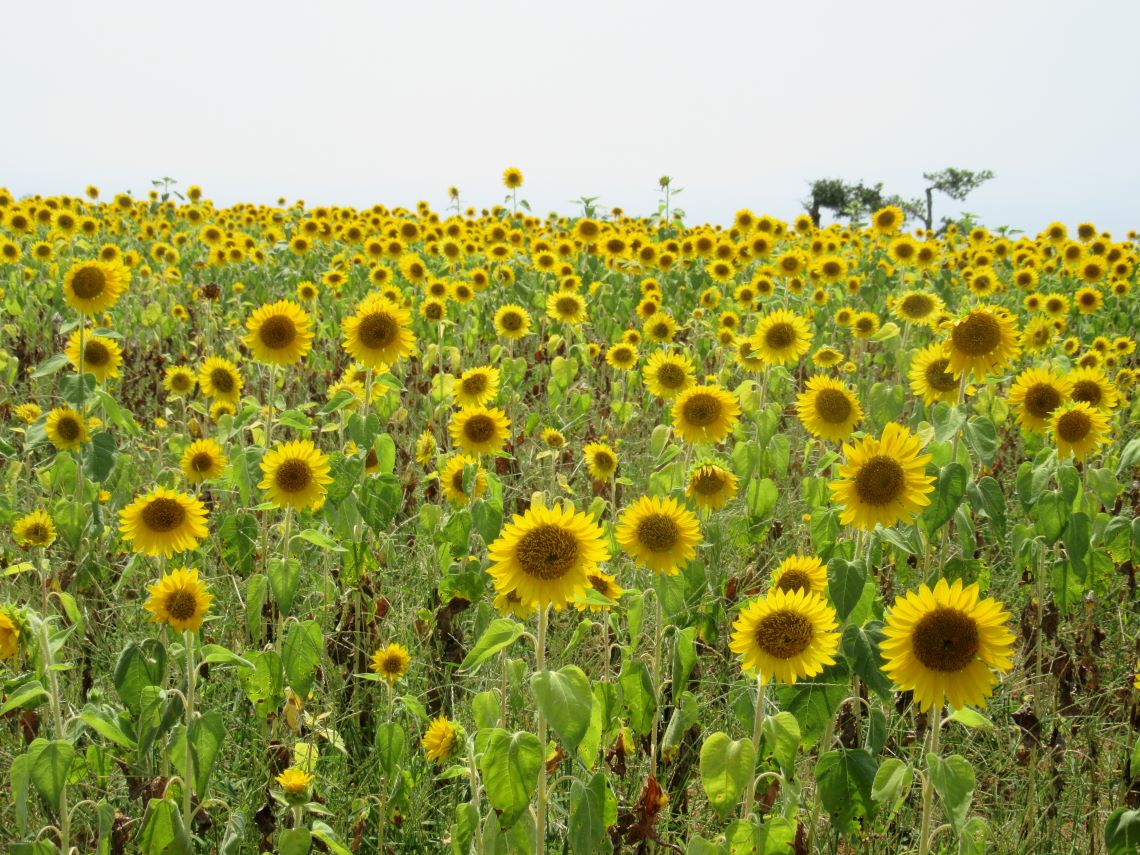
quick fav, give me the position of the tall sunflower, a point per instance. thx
(91, 287)
(101, 356)
(202, 460)
(944, 644)
(668, 374)
(788, 635)
(828, 409)
(660, 534)
(480, 430)
(781, 337)
(379, 333)
(477, 386)
(801, 573)
(1078, 429)
(544, 556)
(66, 429)
(1092, 386)
(163, 522)
(710, 486)
(1035, 394)
(705, 414)
(279, 333)
(295, 475)
(179, 599)
(883, 480)
(439, 740)
(220, 379)
(981, 342)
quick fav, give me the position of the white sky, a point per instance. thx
(742, 103)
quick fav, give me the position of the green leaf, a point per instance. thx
(49, 771)
(390, 743)
(845, 581)
(761, 496)
(140, 664)
(860, 646)
(1122, 832)
(284, 578)
(301, 654)
(105, 727)
(498, 635)
(264, 683)
(891, 785)
(586, 825)
(256, 591)
(28, 696)
(295, 841)
(238, 534)
(320, 539)
(564, 697)
(726, 768)
(510, 765)
(781, 739)
(215, 654)
(948, 492)
(845, 779)
(814, 702)
(207, 734)
(323, 833)
(640, 700)
(163, 832)
(100, 459)
(487, 519)
(486, 710)
(953, 779)
(1051, 516)
(970, 718)
(982, 438)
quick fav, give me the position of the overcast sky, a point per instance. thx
(742, 103)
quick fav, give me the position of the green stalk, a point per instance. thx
(935, 722)
(188, 783)
(757, 730)
(540, 661)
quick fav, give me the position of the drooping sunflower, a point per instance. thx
(36, 529)
(178, 380)
(545, 555)
(179, 599)
(930, 376)
(828, 409)
(66, 429)
(944, 644)
(668, 374)
(661, 534)
(1092, 386)
(705, 414)
(788, 635)
(781, 337)
(566, 306)
(295, 475)
(163, 522)
(480, 430)
(710, 486)
(1078, 429)
(203, 460)
(220, 379)
(279, 333)
(425, 448)
(28, 413)
(454, 475)
(981, 342)
(391, 662)
(508, 603)
(477, 386)
(1035, 394)
(801, 573)
(379, 333)
(883, 481)
(439, 740)
(601, 460)
(512, 322)
(95, 286)
(101, 355)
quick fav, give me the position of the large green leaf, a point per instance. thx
(949, 489)
(49, 771)
(498, 635)
(726, 767)
(640, 701)
(510, 764)
(953, 779)
(301, 654)
(586, 825)
(846, 778)
(564, 697)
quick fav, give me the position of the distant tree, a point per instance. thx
(830, 193)
(854, 201)
(955, 183)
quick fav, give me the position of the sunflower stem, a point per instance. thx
(540, 662)
(57, 718)
(269, 412)
(935, 724)
(658, 683)
(757, 730)
(82, 413)
(188, 775)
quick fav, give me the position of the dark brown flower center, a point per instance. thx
(708, 482)
(181, 604)
(604, 461)
(376, 330)
(89, 283)
(794, 580)
(68, 428)
(222, 381)
(96, 354)
(474, 384)
(511, 321)
(163, 515)
(701, 409)
(1088, 391)
(1074, 426)
(978, 335)
(547, 552)
(1041, 399)
(780, 336)
(671, 376)
(278, 332)
(917, 306)
(203, 461)
(784, 634)
(293, 476)
(566, 306)
(938, 378)
(833, 406)
(658, 532)
(880, 481)
(945, 640)
(479, 428)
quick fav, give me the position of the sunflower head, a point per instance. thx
(710, 485)
(295, 475)
(781, 337)
(279, 333)
(705, 414)
(828, 408)
(163, 522)
(601, 460)
(883, 481)
(91, 287)
(786, 635)
(480, 430)
(180, 600)
(390, 663)
(440, 739)
(660, 534)
(34, 530)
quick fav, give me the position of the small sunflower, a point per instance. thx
(439, 740)
(601, 460)
(101, 356)
(391, 662)
(279, 333)
(379, 333)
(917, 307)
(660, 534)
(295, 475)
(705, 414)
(552, 438)
(91, 287)
(883, 480)
(566, 306)
(220, 379)
(943, 644)
(36, 529)
(661, 328)
(512, 177)
(1035, 394)
(203, 461)
(512, 322)
(1092, 386)
(981, 342)
(788, 635)
(801, 573)
(480, 430)
(888, 220)
(603, 584)
(66, 429)
(477, 386)
(711, 486)
(9, 636)
(425, 448)
(826, 357)
(1078, 429)
(178, 380)
(179, 599)
(781, 337)
(28, 413)
(163, 522)
(295, 784)
(509, 603)
(668, 374)
(545, 555)
(462, 484)
(930, 376)
(622, 356)
(828, 409)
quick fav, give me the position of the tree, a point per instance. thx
(830, 193)
(955, 183)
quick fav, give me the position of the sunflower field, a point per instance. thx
(376, 530)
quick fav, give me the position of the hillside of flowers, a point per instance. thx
(460, 530)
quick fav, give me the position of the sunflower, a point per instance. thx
(661, 328)
(220, 379)
(95, 286)
(883, 480)
(1078, 429)
(605, 585)
(477, 386)
(425, 448)
(480, 430)
(454, 475)
(179, 599)
(781, 337)
(828, 408)
(203, 461)
(439, 740)
(178, 380)
(888, 220)
(705, 414)
(1089, 300)
(379, 333)
(601, 460)
(660, 534)
(826, 357)
(295, 784)
(508, 603)
(945, 645)
(219, 409)
(917, 307)
(279, 333)
(622, 356)
(512, 322)
(864, 325)
(981, 342)
(36, 529)
(163, 522)
(295, 475)
(1035, 394)
(391, 662)
(710, 486)
(566, 306)
(1092, 386)
(930, 376)
(545, 555)
(668, 374)
(512, 177)
(552, 438)
(28, 413)
(101, 356)
(788, 635)
(66, 429)
(9, 635)
(800, 573)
